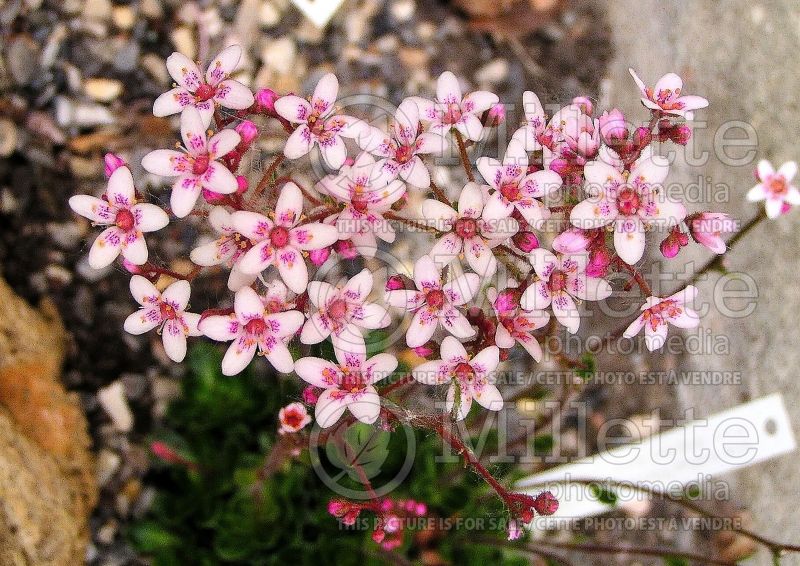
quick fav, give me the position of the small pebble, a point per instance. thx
(8, 137)
(103, 89)
(112, 399)
(493, 72)
(123, 17)
(403, 10)
(108, 463)
(184, 42)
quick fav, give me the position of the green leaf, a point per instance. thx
(589, 366)
(150, 536)
(361, 446)
(543, 444)
(604, 494)
(675, 561)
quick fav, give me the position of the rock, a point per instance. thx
(403, 10)
(68, 113)
(8, 137)
(184, 42)
(103, 89)
(279, 54)
(108, 463)
(112, 399)
(123, 17)
(155, 67)
(493, 72)
(47, 477)
(268, 14)
(97, 10)
(22, 55)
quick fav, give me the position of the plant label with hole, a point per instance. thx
(319, 12)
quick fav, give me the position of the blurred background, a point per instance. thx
(77, 79)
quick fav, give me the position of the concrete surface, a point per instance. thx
(741, 55)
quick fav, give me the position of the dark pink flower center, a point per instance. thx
(167, 311)
(466, 227)
(658, 314)
(200, 164)
(205, 92)
(628, 201)
(352, 380)
(292, 418)
(359, 203)
(452, 114)
(558, 281)
(337, 309)
(435, 298)
(777, 185)
(403, 154)
(510, 190)
(464, 373)
(125, 220)
(279, 236)
(316, 124)
(256, 327)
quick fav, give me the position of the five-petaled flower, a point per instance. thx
(468, 231)
(204, 92)
(316, 123)
(253, 327)
(293, 418)
(434, 304)
(666, 96)
(342, 311)
(775, 187)
(516, 325)
(348, 384)
(126, 220)
(226, 250)
(403, 146)
(166, 309)
(366, 200)
(630, 200)
(196, 166)
(452, 110)
(469, 377)
(561, 280)
(514, 188)
(280, 242)
(658, 313)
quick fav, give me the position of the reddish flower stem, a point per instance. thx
(411, 223)
(265, 180)
(439, 193)
(462, 150)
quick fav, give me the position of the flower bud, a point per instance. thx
(599, 260)
(506, 301)
(680, 134)
(337, 507)
(425, 350)
(265, 100)
(397, 283)
(213, 198)
(585, 104)
(346, 249)
(525, 241)
(132, 268)
(310, 395)
(613, 127)
(514, 530)
(706, 229)
(248, 131)
(545, 503)
(497, 115)
(320, 256)
(642, 136)
(378, 535)
(242, 184)
(560, 166)
(571, 241)
(673, 243)
(112, 163)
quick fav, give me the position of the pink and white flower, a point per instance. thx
(280, 243)
(706, 229)
(666, 96)
(516, 325)
(348, 384)
(316, 123)
(253, 327)
(166, 310)
(293, 418)
(514, 188)
(562, 280)
(571, 134)
(403, 146)
(342, 311)
(631, 201)
(366, 199)
(468, 231)
(535, 122)
(452, 110)
(126, 219)
(434, 304)
(196, 166)
(658, 313)
(775, 187)
(207, 92)
(226, 250)
(469, 378)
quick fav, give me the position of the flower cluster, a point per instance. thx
(481, 286)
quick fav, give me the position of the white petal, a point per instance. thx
(149, 217)
(293, 108)
(422, 327)
(655, 338)
(93, 208)
(566, 312)
(478, 101)
(470, 203)
(446, 248)
(292, 268)
(629, 239)
(174, 339)
(106, 247)
(143, 291)
(430, 373)
(185, 71)
(222, 143)
(461, 289)
(367, 406)
(177, 294)
(334, 152)
(289, 206)
(223, 64)
(426, 274)
(233, 94)
(143, 320)
(536, 296)
(279, 356)
(165, 162)
(329, 409)
(120, 191)
(486, 361)
(172, 102)
(757, 193)
(299, 143)
(219, 327)
(456, 323)
(379, 367)
(240, 353)
(193, 131)
(318, 372)
(453, 351)
(316, 329)
(448, 90)
(480, 257)
(325, 93)
(183, 197)
(489, 397)
(788, 170)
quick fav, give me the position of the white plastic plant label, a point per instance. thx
(319, 12)
(736, 438)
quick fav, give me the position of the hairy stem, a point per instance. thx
(462, 150)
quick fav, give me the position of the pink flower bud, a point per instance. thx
(132, 267)
(395, 283)
(571, 241)
(673, 243)
(337, 507)
(265, 100)
(785, 208)
(585, 103)
(425, 350)
(681, 134)
(560, 166)
(351, 516)
(213, 198)
(545, 503)
(506, 301)
(599, 260)
(706, 229)
(346, 249)
(248, 131)
(242, 184)
(378, 535)
(612, 126)
(642, 136)
(112, 163)
(420, 509)
(320, 256)
(514, 530)
(497, 115)
(310, 395)
(525, 241)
